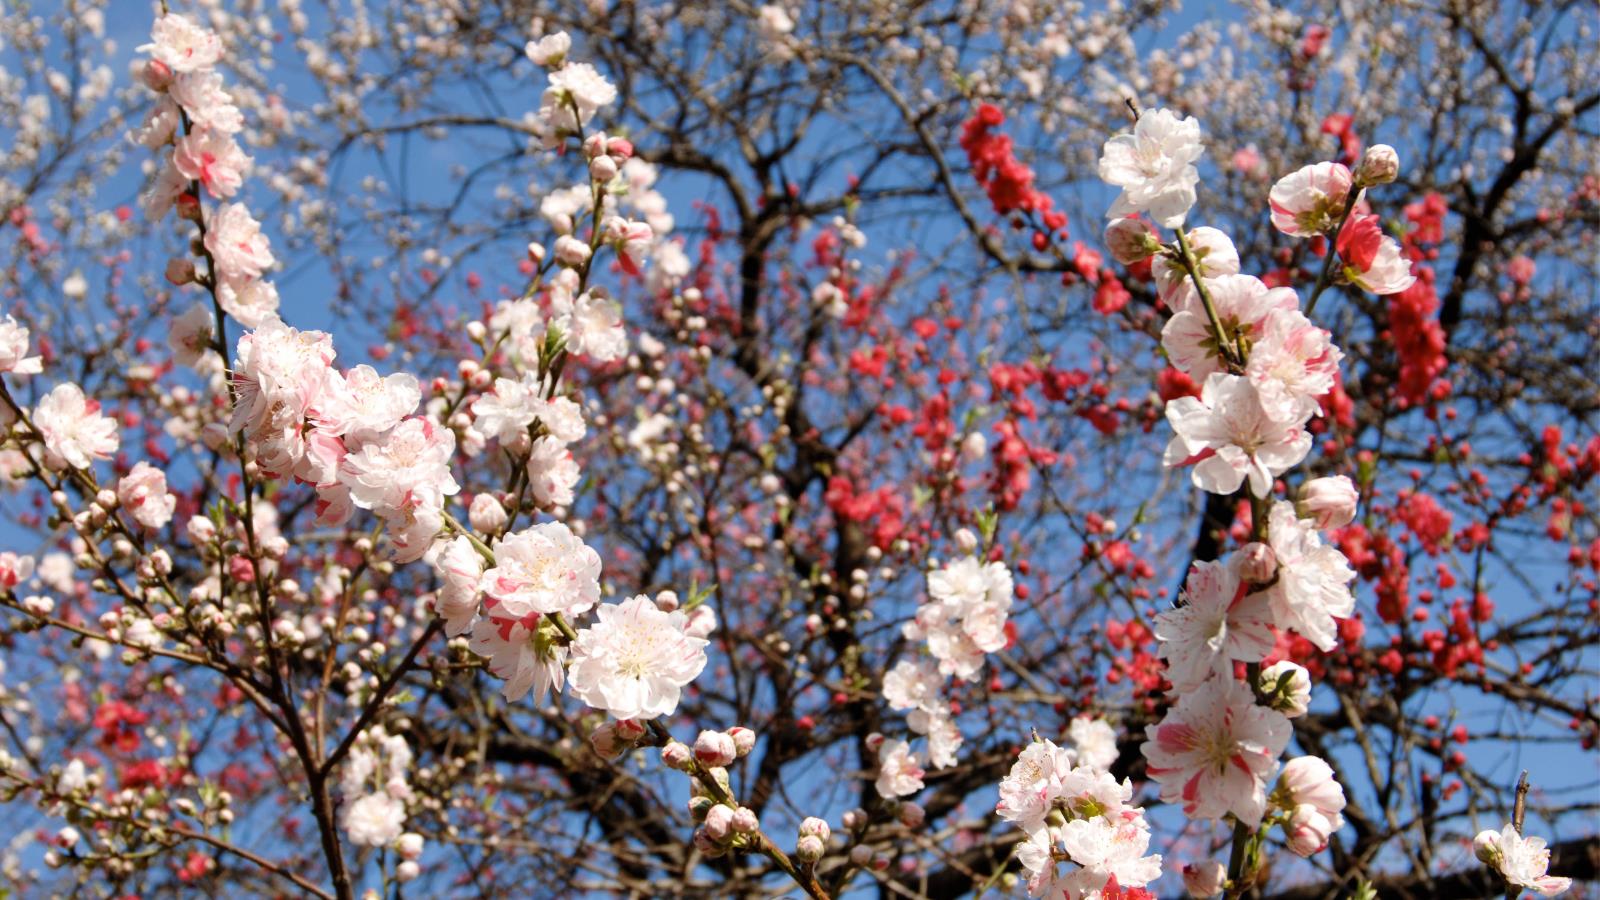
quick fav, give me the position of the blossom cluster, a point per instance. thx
(963, 619)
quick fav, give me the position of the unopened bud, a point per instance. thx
(745, 821)
(861, 855)
(714, 748)
(603, 169)
(1204, 879)
(912, 815)
(815, 827)
(719, 823)
(1131, 241)
(809, 848)
(676, 755)
(180, 271)
(1257, 563)
(744, 740)
(1379, 165)
(157, 75)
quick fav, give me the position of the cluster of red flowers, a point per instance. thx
(1419, 339)
(1006, 179)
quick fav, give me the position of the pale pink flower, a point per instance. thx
(181, 45)
(212, 158)
(413, 458)
(237, 246)
(1094, 742)
(1106, 849)
(1313, 586)
(1154, 166)
(632, 241)
(374, 820)
(1228, 438)
(278, 369)
(201, 95)
(361, 404)
(913, 685)
(486, 515)
(1310, 201)
(190, 336)
(251, 301)
(505, 413)
(527, 656)
(550, 50)
(1243, 305)
(1308, 788)
(412, 524)
(14, 569)
(1036, 780)
(899, 770)
(74, 430)
(164, 191)
(1292, 363)
(160, 125)
(544, 569)
(1204, 879)
(14, 356)
(1214, 751)
(592, 325)
(552, 473)
(1216, 624)
(1522, 861)
(143, 493)
(575, 85)
(635, 660)
(460, 570)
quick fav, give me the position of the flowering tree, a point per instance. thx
(733, 476)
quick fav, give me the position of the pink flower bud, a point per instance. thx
(188, 207)
(1131, 241)
(745, 821)
(676, 755)
(1307, 830)
(809, 848)
(1328, 502)
(486, 514)
(157, 75)
(714, 748)
(744, 740)
(861, 855)
(536, 252)
(708, 845)
(1486, 846)
(874, 741)
(1308, 780)
(853, 819)
(409, 845)
(812, 825)
(1257, 563)
(571, 252)
(179, 270)
(912, 815)
(1204, 879)
(407, 871)
(631, 730)
(700, 807)
(667, 601)
(1379, 165)
(604, 741)
(620, 149)
(594, 145)
(719, 823)
(603, 169)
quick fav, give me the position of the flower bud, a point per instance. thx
(853, 819)
(631, 730)
(667, 601)
(603, 169)
(1131, 241)
(571, 252)
(604, 741)
(1257, 563)
(1204, 879)
(744, 740)
(719, 823)
(157, 75)
(745, 821)
(1288, 687)
(180, 271)
(407, 871)
(700, 807)
(912, 815)
(535, 252)
(809, 848)
(714, 748)
(1307, 830)
(676, 755)
(708, 845)
(814, 826)
(1328, 502)
(620, 149)
(1486, 846)
(1379, 165)
(966, 540)
(189, 207)
(201, 530)
(861, 855)
(409, 845)
(486, 514)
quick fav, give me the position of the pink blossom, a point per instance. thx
(1228, 438)
(1313, 580)
(14, 356)
(143, 493)
(75, 432)
(1310, 201)
(181, 45)
(1243, 305)
(1214, 751)
(460, 570)
(635, 660)
(237, 246)
(899, 770)
(1216, 624)
(212, 158)
(544, 569)
(527, 656)
(1292, 363)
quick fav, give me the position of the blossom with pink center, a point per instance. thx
(635, 660)
(1036, 780)
(544, 569)
(553, 473)
(592, 325)
(1214, 751)
(14, 356)
(1310, 201)
(1292, 363)
(506, 413)
(1523, 862)
(214, 159)
(143, 493)
(899, 770)
(1372, 259)
(237, 246)
(1217, 623)
(1228, 438)
(1243, 305)
(1313, 586)
(413, 458)
(278, 368)
(75, 432)
(361, 404)
(251, 301)
(181, 45)
(527, 656)
(201, 95)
